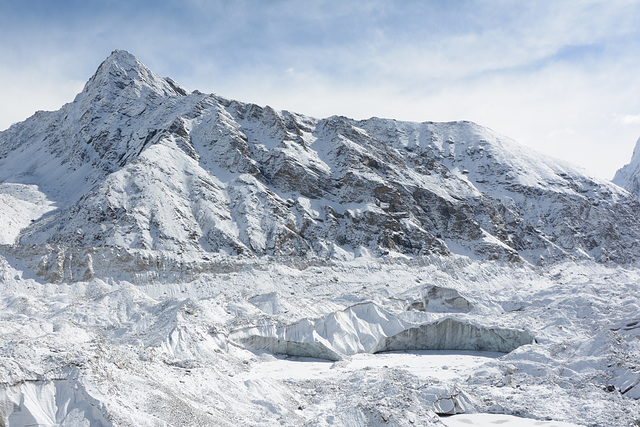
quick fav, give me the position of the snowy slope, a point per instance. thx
(21, 204)
(137, 162)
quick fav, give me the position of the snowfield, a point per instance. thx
(172, 258)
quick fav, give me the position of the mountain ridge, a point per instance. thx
(138, 162)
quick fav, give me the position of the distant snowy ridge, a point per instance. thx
(629, 175)
(138, 162)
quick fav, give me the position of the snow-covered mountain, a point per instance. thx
(137, 162)
(171, 258)
(629, 175)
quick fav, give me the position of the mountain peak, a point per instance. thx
(120, 56)
(174, 172)
(123, 74)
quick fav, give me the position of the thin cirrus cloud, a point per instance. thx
(557, 76)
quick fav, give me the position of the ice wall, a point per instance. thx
(49, 403)
(453, 334)
(367, 328)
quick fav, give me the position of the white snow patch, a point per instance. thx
(426, 364)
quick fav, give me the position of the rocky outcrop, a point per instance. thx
(442, 299)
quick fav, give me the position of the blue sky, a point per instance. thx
(560, 76)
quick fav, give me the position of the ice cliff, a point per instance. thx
(367, 328)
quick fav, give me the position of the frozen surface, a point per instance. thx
(426, 364)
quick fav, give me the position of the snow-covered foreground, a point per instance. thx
(140, 349)
(491, 420)
(435, 364)
(442, 365)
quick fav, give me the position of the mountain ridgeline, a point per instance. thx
(137, 162)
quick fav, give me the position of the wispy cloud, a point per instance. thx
(628, 119)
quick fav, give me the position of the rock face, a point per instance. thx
(440, 299)
(629, 176)
(137, 162)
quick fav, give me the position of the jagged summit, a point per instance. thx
(122, 58)
(135, 162)
(629, 175)
(123, 72)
